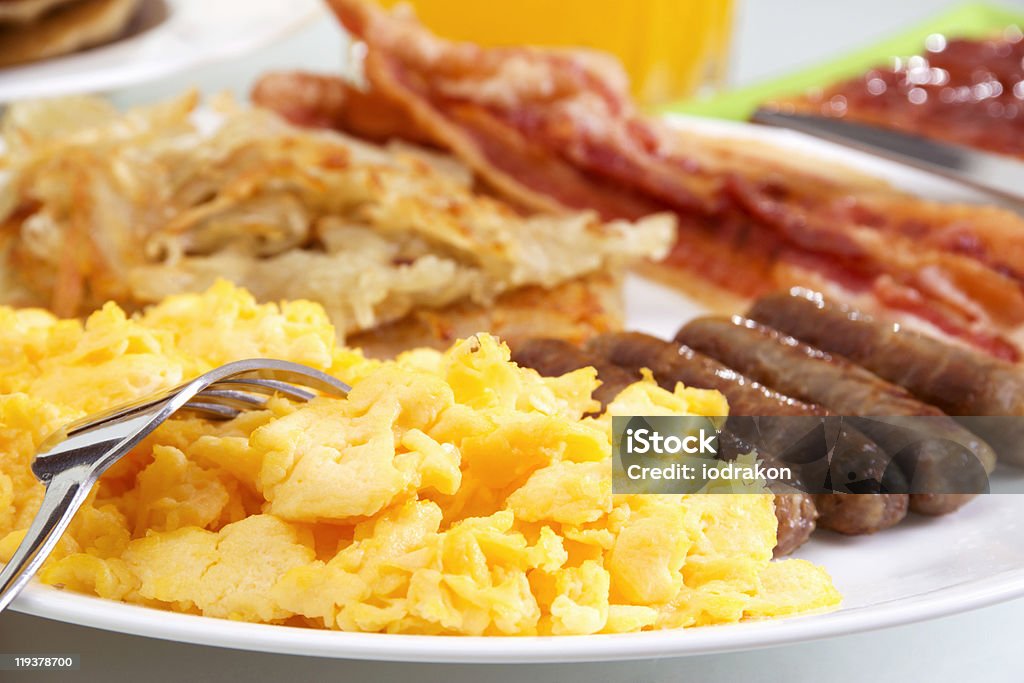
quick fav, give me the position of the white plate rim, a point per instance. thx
(182, 44)
(47, 602)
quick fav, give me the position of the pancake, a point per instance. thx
(66, 29)
(23, 11)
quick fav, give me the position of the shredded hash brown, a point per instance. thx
(98, 205)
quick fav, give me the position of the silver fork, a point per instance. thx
(70, 461)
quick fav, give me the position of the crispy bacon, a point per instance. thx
(552, 130)
(321, 101)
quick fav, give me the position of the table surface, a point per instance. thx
(772, 37)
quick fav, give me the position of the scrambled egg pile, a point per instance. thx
(450, 493)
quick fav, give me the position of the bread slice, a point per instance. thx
(68, 28)
(575, 311)
(712, 298)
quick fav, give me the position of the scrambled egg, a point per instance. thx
(450, 493)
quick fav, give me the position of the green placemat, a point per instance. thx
(973, 20)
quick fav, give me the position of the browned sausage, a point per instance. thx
(847, 389)
(797, 369)
(671, 363)
(848, 513)
(855, 456)
(797, 517)
(554, 357)
(883, 512)
(962, 382)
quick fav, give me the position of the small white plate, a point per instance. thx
(166, 36)
(922, 569)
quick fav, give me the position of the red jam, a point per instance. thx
(969, 92)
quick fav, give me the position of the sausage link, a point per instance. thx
(671, 363)
(797, 517)
(813, 375)
(847, 513)
(987, 392)
(855, 515)
(797, 369)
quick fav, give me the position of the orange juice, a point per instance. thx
(671, 48)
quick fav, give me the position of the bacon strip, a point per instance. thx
(553, 130)
(321, 101)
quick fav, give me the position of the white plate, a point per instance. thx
(167, 36)
(922, 569)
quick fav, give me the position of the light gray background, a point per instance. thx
(772, 36)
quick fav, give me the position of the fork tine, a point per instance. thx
(294, 374)
(211, 411)
(268, 387)
(233, 398)
(271, 377)
(219, 402)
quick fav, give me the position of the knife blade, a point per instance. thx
(992, 173)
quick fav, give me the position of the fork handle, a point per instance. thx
(65, 493)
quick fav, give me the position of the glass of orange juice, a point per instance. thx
(670, 48)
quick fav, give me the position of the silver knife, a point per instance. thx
(998, 175)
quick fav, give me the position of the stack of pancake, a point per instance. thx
(31, 30)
